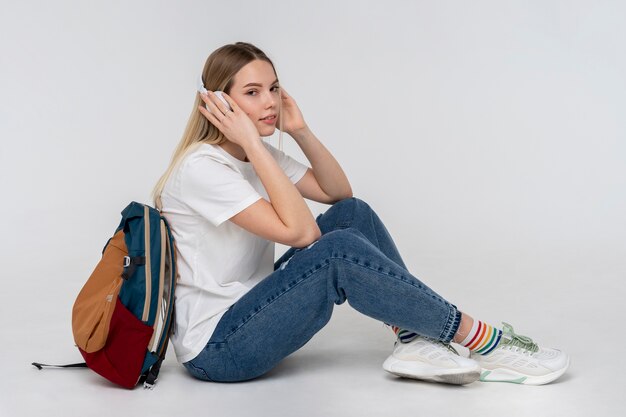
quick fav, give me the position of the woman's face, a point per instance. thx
(256, 90)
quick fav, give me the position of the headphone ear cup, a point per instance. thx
(221, 97)
(202, 90)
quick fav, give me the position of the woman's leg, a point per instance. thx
(357, 214)
(281, 313)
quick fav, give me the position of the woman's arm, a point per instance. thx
(328, 174)
(285, 199)
(327, 171)
(287, 219)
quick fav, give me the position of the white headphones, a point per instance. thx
(203, 90)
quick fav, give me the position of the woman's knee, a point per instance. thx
(343, 213)
(341, 238)
(352, 202)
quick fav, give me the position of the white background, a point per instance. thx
(490, 136)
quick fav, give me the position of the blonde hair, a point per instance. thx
(218, 74)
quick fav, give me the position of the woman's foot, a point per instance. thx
(519, 360)
(431, 360)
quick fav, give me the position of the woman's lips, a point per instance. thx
(269, 121)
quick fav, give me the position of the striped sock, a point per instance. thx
(482, 338)
(405, 336)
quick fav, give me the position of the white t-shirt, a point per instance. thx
(218, 261)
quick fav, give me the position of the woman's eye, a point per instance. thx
(275, 88)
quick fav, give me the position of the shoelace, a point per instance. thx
(440, 343)
(435, 341)
(517, 340)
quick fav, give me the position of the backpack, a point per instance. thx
(123, 316)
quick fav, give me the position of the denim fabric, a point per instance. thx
(356, 260)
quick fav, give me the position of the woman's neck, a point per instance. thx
(235, 150)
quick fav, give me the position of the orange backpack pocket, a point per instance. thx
(93, 308)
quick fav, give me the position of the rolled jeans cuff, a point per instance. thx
(452, 325)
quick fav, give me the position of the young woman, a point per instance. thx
(228, 196)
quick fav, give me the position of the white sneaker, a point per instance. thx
(519, 360)
(431, 360)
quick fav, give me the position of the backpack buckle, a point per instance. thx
(126, 261)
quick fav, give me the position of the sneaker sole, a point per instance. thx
(514, 377)
(417, 370)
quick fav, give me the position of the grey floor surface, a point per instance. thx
(338, 373)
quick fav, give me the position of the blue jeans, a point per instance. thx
(355, 259)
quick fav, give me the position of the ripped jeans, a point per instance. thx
(355, 259)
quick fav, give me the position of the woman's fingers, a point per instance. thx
(214, 103)
(284, 93)
(206, 109)
(210, 116)
(231, 102)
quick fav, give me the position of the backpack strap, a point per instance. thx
(153, 373)
(130, 264)
(40, 366)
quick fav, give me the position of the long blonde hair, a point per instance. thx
(218, 73)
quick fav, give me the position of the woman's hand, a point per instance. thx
(293, 121)
(235, 124)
